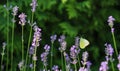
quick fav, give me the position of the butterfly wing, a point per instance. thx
(83, 43)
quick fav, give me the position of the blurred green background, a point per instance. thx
(83, 18)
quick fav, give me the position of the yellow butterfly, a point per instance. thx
(83, 43)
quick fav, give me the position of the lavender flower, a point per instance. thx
(84, 58)
(47, 48)
(62, 38)
(55, 68)
(53, 38)
(109, 50)
(118, 65)
(88, 65)
(73, 54)
(22, 17)
(45, 54)
(33, 4)
(21, 65)
(44, 58)
(110, 21)
(68, 60)
(15, 10)
(104, 66)
(83, 69)
(36, 37)
(62, 43)
(77, 39)
(31, 65)
(31, 50)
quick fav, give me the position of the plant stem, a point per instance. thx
(35, 60)
(12, 44)
(75, 67)
(62, 61)
(51, 55)
(29, 42)
(22, 44)
(7, 37)
(2, 58)
(113, 69)
(65, 65)
(45, 68)
(79, 61)
(114, 43)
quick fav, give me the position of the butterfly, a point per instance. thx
(83, 43)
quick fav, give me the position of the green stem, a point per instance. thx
(75, 67)
(65, 65)
(45, 68)
(2, 58)
(79, 61)
(62, 61)
(22, 44)
(12, 44)
(7, 37)
(29, 41)
(114, 43)
(35, 60)
(51, 55)
(113, 69)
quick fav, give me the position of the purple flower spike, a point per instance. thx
(118, 65)
(55, 68)
(104, 66)
(22, 17)
(109, 50)
(15, 10)
(33, 4)
(112, 30)
(36, 37)
(47, 48)
(53, 38)
(77, 39)
(44, 58)
(110, 21)
(74, 53)
(62, 38)
(85, 56)
(31, 50)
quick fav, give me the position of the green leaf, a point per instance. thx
(72, 13)
(68, 29)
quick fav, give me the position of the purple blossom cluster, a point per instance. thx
(86, 64)
(104, 66)
(22, 17)
(15, 10)
(45, 54)
(63, 43)
(110, 23)
(33, 4)
(35, 42)
(36, 37)
(55, 68)
(68, 60)
(109, 51)
(77, 39)
(118, 65)
(74, 53)
(53, 38)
